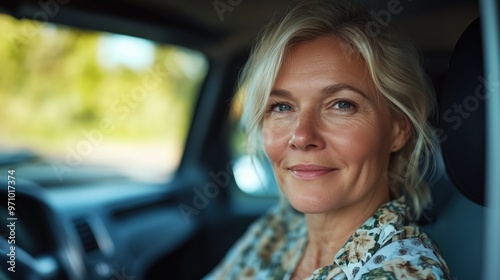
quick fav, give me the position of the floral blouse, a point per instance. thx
(386, 246)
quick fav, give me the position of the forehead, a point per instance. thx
(325, 58)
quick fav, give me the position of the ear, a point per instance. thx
(401, 132)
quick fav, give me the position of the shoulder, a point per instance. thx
(259, 248)
(387, 245)
(415, 257)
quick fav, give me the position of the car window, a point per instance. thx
(252, 170)
(83, 99)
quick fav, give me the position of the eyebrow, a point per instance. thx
(339, 87)
(280, 93)
(331, 89)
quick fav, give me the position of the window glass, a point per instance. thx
(252, 171)
(92, 101)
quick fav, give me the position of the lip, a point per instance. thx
(310, 171)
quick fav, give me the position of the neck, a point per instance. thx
(328, 232)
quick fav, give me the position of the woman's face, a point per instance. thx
(327, 132)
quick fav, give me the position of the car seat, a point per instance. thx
(458, 226)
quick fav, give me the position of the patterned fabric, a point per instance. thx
(386, 246)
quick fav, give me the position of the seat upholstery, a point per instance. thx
(458, 227)
(462, 115)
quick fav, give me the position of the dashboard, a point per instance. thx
(101, 230)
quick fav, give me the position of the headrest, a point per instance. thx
(462, 115)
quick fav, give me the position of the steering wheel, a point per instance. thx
(17, 263)
(21, 265)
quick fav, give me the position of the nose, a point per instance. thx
(306, 134)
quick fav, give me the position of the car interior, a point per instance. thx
(76, 218)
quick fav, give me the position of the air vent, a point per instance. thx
(87, 237)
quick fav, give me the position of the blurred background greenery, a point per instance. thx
(59, 85)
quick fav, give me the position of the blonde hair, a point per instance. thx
(395, 69)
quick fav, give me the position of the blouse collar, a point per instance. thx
(379, 229)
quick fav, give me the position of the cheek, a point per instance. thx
(364, 139)
(276, 136)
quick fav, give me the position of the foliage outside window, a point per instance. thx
(253, 172)
(81, 98)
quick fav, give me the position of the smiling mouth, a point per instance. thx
(310, 172)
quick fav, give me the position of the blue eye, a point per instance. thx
(343, 105)
(282, 107)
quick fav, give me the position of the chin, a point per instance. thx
(312, 204)
(312, 197)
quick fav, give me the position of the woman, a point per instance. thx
(341, 112)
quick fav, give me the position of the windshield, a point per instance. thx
(95, 102)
